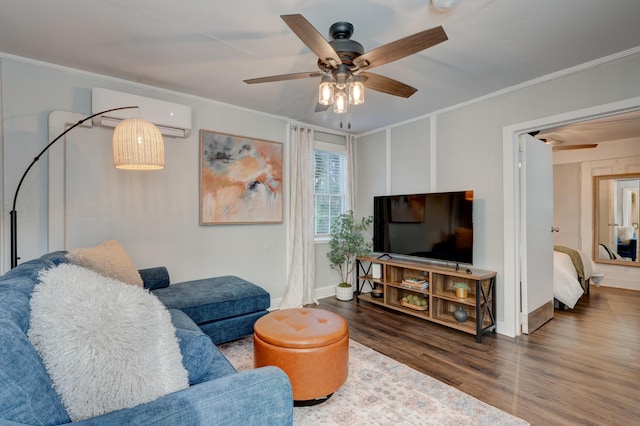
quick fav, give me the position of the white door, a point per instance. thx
(536, 209)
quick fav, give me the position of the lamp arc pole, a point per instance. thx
(13, 213)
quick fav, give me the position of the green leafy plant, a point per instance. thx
(461, 285)
(347, 242)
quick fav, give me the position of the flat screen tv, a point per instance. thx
(436, 226)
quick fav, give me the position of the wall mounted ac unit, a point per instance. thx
(171, 119)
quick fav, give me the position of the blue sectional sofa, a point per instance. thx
(223, 307)
(217, 394)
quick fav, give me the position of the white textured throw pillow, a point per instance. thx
(109, 259)
(106, 345)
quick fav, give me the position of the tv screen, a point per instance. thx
(435, 226)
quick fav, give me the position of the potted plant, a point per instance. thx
(347, 242)
(344, 291)
(462, 290)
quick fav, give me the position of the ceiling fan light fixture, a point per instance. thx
(356, 91)
(340, 102)
(326, 90)
(341, 57)
(342, 77)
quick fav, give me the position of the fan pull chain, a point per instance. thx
(348, 124)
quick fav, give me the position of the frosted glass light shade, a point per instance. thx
(340, 102)
(137, 145)
(356, 91)
(325, 93)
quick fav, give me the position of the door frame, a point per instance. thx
(511, 196)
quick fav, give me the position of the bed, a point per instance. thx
(573, 270)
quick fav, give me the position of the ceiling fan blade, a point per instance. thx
(401, 48)
(569, 147)
(284, 77)
(386, 85)
(312, 39)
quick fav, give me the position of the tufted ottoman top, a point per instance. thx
(301, 328)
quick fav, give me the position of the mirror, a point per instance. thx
(616, 216)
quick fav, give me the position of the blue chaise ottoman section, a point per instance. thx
(223, 307)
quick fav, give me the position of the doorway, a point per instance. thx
(513, 265)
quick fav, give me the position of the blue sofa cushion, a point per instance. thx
(14, 301)
(153, 278)
(26, 394)
(29, 270)
(232, 328)
(196, 347)
(55, 257)
(213, 299)
(257, 397)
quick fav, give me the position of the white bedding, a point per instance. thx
(566, 287)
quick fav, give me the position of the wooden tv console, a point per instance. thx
(480, 305)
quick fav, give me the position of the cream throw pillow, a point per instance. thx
(109, 259)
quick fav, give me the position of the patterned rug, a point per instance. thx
(382, 391)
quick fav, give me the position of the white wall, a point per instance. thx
(469, 146)
(371, 171)
(409, 149)
(157, 212)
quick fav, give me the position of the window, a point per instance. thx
(330, 174)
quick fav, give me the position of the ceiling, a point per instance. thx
(207, 48)
(592, 132)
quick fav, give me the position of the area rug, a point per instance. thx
(382, 391)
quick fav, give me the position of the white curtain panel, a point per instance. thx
(351, 196)
(300, 277)
(351, 192)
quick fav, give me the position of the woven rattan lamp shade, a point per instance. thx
(137, 145)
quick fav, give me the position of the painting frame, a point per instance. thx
(241, 179)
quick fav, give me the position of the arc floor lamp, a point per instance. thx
(137, 145)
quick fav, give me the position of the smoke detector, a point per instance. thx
(444, 5)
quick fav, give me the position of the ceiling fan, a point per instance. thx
(556, 144)
(343, 61)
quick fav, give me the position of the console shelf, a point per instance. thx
(480, 303)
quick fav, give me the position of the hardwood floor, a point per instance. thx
(581, 368)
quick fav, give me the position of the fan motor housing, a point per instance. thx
(341, 42)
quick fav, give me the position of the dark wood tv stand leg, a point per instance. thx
(485, 305)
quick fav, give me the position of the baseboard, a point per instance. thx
(275, 304)
(540, 316)
(501, 328)
(322, 292)
(617, 282)
(318, 293)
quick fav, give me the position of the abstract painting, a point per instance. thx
(240, 179)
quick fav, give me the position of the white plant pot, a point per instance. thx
(344, 293)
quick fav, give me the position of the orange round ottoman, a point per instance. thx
(310, 345)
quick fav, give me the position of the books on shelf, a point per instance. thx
(414, 283)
